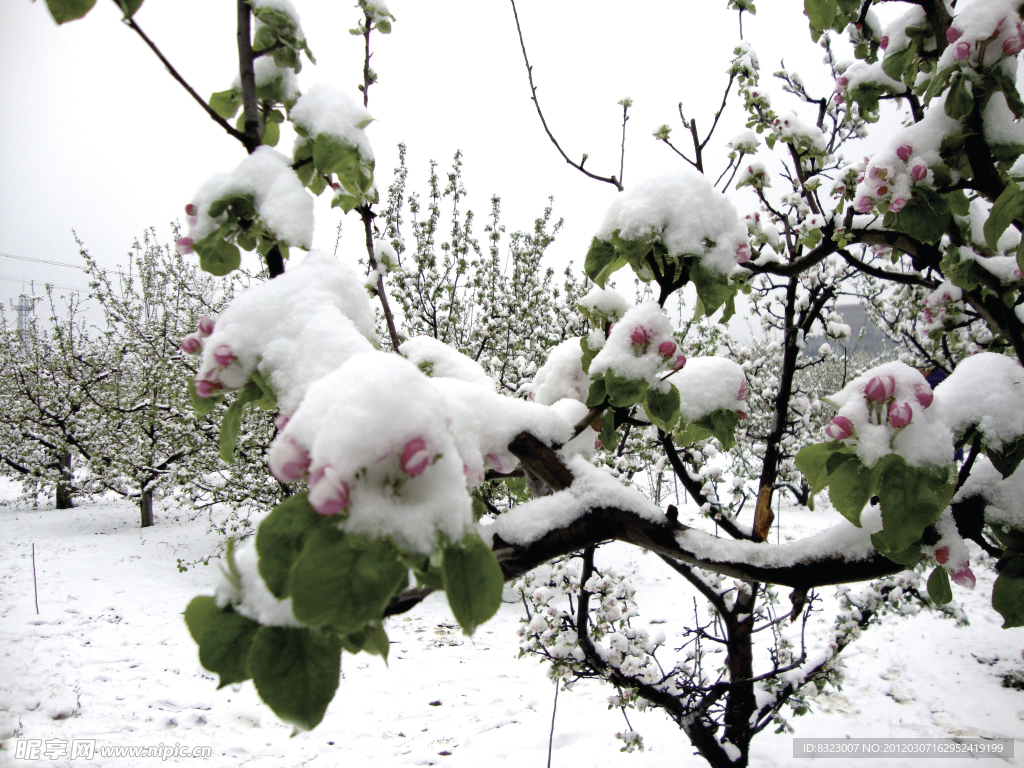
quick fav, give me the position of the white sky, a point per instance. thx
(97, 137)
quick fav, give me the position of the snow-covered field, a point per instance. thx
(108, 658)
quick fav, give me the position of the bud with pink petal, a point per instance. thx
(925, 396)
(742, 393)
(864, 204)
(919, 172)
(281, 421)
(183, 245)
(953, 34)
(941, 555)
(897, 205)
(191, 210)
(962, 51)
(741, 414)
(880, 388)
(743, 253)
(884, 42)
(839, 428)
(328, 493)
(667, 348)
(191, 345)
(288, 460)
(207, 388)
(843, 81)
(679, 362)
(415, 458)
(223, 355)
(904, 152)
(900, 415)
(639, 336)
(1012, 46)
(964, 577)
(205, 326)
(883, 190)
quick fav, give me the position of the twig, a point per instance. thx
(35, 584)
(554, 709)
(533, 95)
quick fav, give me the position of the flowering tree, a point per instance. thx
(395, 448)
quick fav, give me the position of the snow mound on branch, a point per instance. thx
(326, 109)
(986, 390)
(437, 359)
(561, 376)
(629, 359)
(604, 303)
(295, 328)
(280, 199)
(251, 597)
(1005, 497)
(685, 212)
(708, 384)
(925, 442)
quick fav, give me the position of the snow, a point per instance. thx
(284, 6)
(295, 328)
(998, 122)
(266, 72)
(281, 201)
(109, 658)
(329, 110)
(793, 129)
(435, 358)
(745, 141)
(986, 390)
(682, 210)
(561, 375)
(983, 25)
(251, 597)
(632, 348)
(896, 31)
(604, 303)
(1005, 497)
(925, 442)
(708, 384)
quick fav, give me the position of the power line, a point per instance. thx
(42, 261)
(45, 282)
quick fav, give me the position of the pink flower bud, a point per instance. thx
(904, 152)
(680, 361)
(964, 577)
(742, 393)
(839, 98)
(191, 209)
(900, 415)
(415, 458)
(919, 172)
(864, 204)
(184, 246)
(941, 555)
(288, 460)
(962, 51)
(839, 428)
(880, 388)
(667, 348)
(953, 34)
(1018, 274)
(927, 315)
(597, 445)
(741, 414)
(281, 421)
(884, 42)
(883, 190)
(223, 355)
(639, 336)
(205, 326)
(743, 253)
(328, 493)
(1012, 46)
(191, 345)
(843, 81)
(925, 396)
(207, 388)
(897, 205)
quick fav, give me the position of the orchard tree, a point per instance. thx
(395, 448)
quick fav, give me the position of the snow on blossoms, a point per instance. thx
(709, 384)
(293, 329)
(636, 346)
(886, 410)
(983, 33)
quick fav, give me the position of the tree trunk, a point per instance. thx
(64, 483)
(146, 508)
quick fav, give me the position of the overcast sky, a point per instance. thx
(98, 138)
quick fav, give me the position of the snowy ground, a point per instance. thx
(109, 658)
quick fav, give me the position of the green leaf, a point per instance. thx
(271, 133)
(201, 405)
(851, 486)
(1008, 591)
(1008, 458)
(226, 103)
(231, 424)
(608, 436)
(713, 290)
(811, 461)
(911, 500)
(821, 14)
(938, 586)
(624, 392)
(925, 217)
(223, 637)
(1008, 86)
(662, 408)
(602, 261)
(376, 641)
(688, 434)
(959, 101)
(268, 398)
(909, 556)
(1007, 207)
(281, 537)
(383, 26)
(296, 672)
(517, 487)
(344, 581)
(597, 393)
(473, 580)
(895, 63)
(129, 7)
(958, 202)
(722, 424)
(343, 160)
(69, 10)
(588, 354)
(217, 256)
